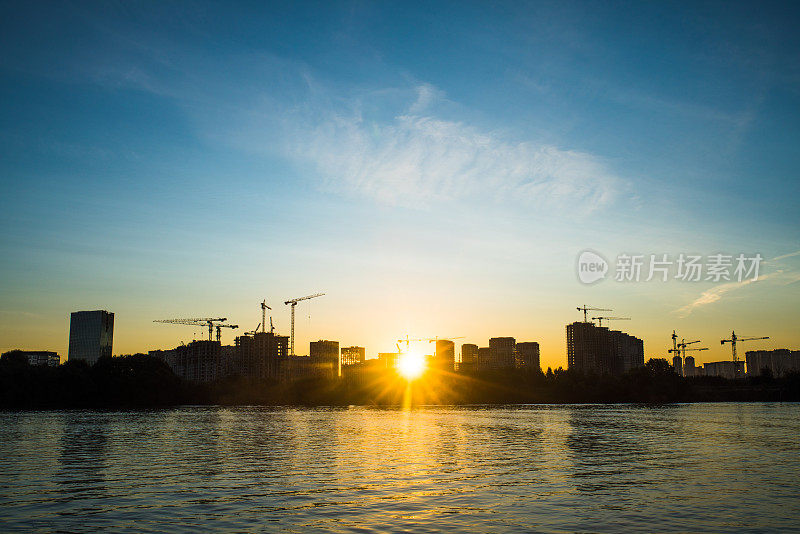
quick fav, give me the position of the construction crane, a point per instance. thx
(264, 309)
(697, 348)
(683, 344)
(408, 340)
(601, 319)
(674, 343)
(680, 349)
(254, 332)
(221, 326)
(733, 340)
(585, 309)
(294, 302)
(437, 339)
(203, 321)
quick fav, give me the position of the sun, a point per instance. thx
(411, 365)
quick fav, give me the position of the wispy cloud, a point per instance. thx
(390, 143)
(416, 157)
(716, 293)
(783, 257)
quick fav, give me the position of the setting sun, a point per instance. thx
(411, 365)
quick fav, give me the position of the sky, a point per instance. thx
(434, 168)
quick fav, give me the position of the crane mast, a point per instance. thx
(733, 340)
(293, 303)
(264, 309)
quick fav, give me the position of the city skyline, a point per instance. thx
(436, 172)
(420, 346)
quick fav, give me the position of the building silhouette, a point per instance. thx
(353, 355)
(199, 361)
(444, 358)
(677, 364)
(36, 358)
(484, 358)
(778, 361)
(260, 355)
(502, 354)
(91, 335)
(388, 360)
(324, 355)
(689, 368)
(596, 349)
(527, 355)
(469, 357)
(725, 369)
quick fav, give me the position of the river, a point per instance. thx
(561, 468)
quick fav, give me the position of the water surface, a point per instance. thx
(698, 467)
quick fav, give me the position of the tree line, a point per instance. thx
(141, 381)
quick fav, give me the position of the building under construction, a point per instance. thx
(199, 361)
(778, 362)
(261, 356)
(444, 359)
(353, 355)
(469, 357)
(596, 349)
(527, 355)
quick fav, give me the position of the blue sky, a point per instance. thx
(434, 168)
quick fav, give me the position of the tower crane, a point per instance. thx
(683, 344)
(585, 309)
(254, 332)
(294, 302)
(221, 326)
(202, 321)
(679, 349)
(733, 340)
(601, 319)
(264, 309)
(674, 342)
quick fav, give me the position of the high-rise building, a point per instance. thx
(627, 351)
(389, 360)
(353, 355)
(484, 358)
(199, 361)
(469, 357)
(527, 355)
(725, 369)
(677, 364)
(445, 356)
(91, 334)
(326, 354)
(778, 361)
(260, 356)
(688, 367)
(501, 352)
(596, 349)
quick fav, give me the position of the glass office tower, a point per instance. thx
(91, 334)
